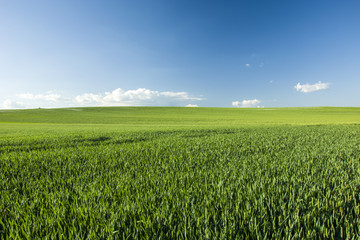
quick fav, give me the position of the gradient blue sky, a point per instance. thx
(178, 53)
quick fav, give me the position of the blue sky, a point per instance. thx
(179, 53)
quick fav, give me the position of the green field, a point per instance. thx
(180, 173)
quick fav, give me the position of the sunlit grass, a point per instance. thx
(181, 178)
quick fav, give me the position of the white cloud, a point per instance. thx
(8, 104)
(180, 95)
(138, 97)
(247, 65)
(191, 105)
(117, 97)
(236, 104)
(306, 88)
(88, 98)
(47, 97)
(246, 103)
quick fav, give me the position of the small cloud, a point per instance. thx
(271, 81)
(306, 88)
(246, 103)
(262, 64)
(8, 104)
(180, 96)
(191, 105)
(247, 65)
(88, 98)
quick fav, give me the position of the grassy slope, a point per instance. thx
(45, 122)
(176, 116)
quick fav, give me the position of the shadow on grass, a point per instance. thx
(81, 141)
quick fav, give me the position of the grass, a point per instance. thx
(177, 173)
(179, 116)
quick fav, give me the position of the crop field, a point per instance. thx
(180, 173)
